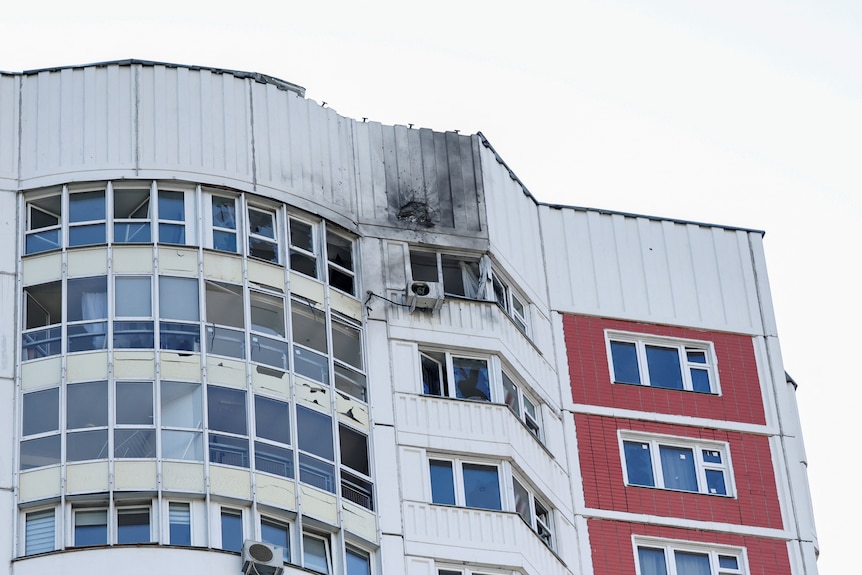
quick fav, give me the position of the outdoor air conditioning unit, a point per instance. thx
(262, 558)
(425, 295)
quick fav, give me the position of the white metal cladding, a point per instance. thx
(642, 269)
(8, 129)
(514, 229)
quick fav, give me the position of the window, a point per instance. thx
(661, 362)
(134, 433)
(358, 562)
(662, 558)
(87, 421)
(224, 308)
(133, 525)
(133, 308)
(41, 429)
(179, 523)
(303, 247)
(132, 215)
(447, 374)
(227, 415)
(315, 553)
(272, 427)
(91, 527)
(39, 532)
(268, 338)
(534, 513)
(172, 218)
(317, 452)
(182, 421)
(44, 222)
(339, 253)
(511, 303)
(43, 313)
(347, 351)
(86, 313)
(522, 405)
(454, 482)
(309, 333)
(224, 224)
(231, 529)
(86, 218)
(355, 484)
(276, 533)
(262, 234)
(678, 464)
(178, 301)
(459, 274)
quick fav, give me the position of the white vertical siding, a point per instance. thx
(77, 119)
(637, 268)
(9, 87)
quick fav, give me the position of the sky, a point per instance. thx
(744, 113)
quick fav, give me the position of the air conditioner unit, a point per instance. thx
(425, 295)
(262, 558)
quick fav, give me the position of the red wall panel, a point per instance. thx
(613, 553)
(740, 400)
(756, 502)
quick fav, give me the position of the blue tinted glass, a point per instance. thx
(42, 343)
(171, 206)
(229, 450)
(276, 534)
(317, 473)
(179, 336)
(128, 233)
(663, 364)
(180, 523)
(133, 334)
(638, 464)
(700, 380)
(728, 562)
(677, 466)
(272, 419)
(311, 365)
(231, 531)
(715, 482)
(691, 563)
(471, 379)
(442, 482)
(226, 410)
(86, 207)
(85, 445)
(652, 561)
(133, 526)
(357, 563)
(481, 486)
(272, 459)
(134, 443)
(87, 235)
(711, 456)
(224, 241)
(315, 433)
(172, 234)
(224, 213)
(87, 337)
(696, 356)
(91, 528)
(42, 241)
(625, 359)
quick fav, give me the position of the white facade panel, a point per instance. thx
(9, 93)
(639, 269)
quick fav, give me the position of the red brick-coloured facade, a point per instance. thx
(756, 500)
(613, 552)
(741, 399)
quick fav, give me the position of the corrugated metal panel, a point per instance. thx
(194, 121)
(77, 119)
(513, 226)
(8, 129)
(650, 270)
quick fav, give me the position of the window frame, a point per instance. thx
(333, 266)
(697, 446)
(40, 513)
(543, 528)
(683, 345)
(459, 484)
(714, 551)
(314, 253)
(326, 539)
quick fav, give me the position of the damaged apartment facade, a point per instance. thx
(242, 333)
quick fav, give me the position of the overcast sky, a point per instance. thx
(745, 113)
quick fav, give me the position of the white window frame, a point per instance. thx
(331, 265)
(289, 525)
(669, 547)
(641, 340)
(29, 230)
(701, 466)
(444, 569)
(544, 528)
(532, 417)
(458, 478)
(115, 520)
(166, 519)
(273, 211)
(190, 215)
(54, 528)
(118, 189)
(327, 546)
(211, 227)
(315, 252)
